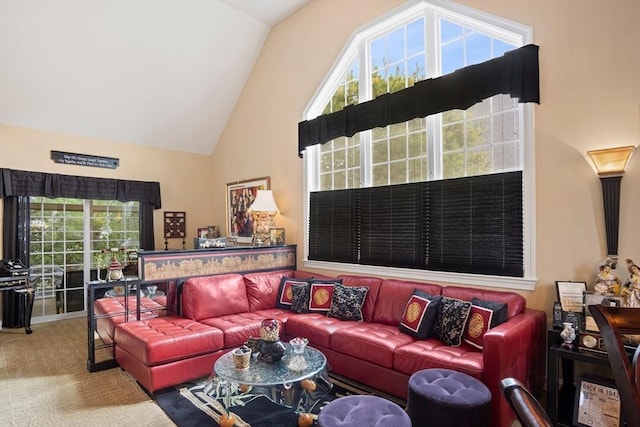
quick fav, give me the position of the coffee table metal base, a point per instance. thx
(275, 380)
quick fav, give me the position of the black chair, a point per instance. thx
(614, 323)
(529, 411)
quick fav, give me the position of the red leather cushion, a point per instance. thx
(431, 353)
(317, 327)
(374, 343)
(166, 339)
(214, 296)
(393, 297)
(237, 328)
(262, 288)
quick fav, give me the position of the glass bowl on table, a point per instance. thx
(298, 344)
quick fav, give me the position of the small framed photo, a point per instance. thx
(277, 236)
(597, 403)
(202, 232)
(591, 298)
(570, 295)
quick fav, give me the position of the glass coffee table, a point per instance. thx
(276, 380)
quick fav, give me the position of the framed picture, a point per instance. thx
(239, 197)
(202, 232)
(570, 295)
(277, 236)
(597, 403)
(591, 298)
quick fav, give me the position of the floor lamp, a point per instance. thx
(610, 164)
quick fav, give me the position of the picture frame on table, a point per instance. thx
(239, 197)
(570, 295)
(592, 298)
(277, 236)
(202, 232)
(597, 403)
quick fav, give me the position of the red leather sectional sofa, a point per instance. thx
(221, 312)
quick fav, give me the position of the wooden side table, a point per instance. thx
(560, 366)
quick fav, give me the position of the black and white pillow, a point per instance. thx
(451, 320)
(300, 300)
(347, 302)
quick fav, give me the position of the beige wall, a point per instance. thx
(185, 179)
(590, 98)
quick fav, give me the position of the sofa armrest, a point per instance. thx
(515, 349)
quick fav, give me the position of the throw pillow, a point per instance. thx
(320, 296)
(451, 320)
(500, 310)
(285, 291)
(300, 301)
(347, 302)
(419, 314)
(484, 315)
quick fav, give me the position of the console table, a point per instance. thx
(171, 265)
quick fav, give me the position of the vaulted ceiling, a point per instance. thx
(156, 73)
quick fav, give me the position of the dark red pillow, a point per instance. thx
(285, 292)
(320, 295)
(484, 315)
(419, 314)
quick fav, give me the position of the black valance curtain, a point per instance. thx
(463, 225)
(515, 73)
(17, 186)
(26, 183)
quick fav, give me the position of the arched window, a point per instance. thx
(396, 164)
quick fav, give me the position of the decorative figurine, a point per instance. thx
(607, 282)
(633, 288)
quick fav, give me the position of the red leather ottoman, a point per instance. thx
(164, 351)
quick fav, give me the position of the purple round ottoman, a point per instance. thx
(363, 411)
(442, 397)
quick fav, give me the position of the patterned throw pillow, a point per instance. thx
(285, 292)
(451, 320)
(300, 301)
(347, 302)
(419, 314)
(484, 315)
(320, 296)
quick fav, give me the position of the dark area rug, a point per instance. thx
(194, 404)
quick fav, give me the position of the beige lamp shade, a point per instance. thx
(611, 161)
(264, 202)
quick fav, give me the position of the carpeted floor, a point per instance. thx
(44, 382)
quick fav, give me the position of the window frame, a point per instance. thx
(517, 34)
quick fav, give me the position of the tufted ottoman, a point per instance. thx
(361, 411)
(442, 397)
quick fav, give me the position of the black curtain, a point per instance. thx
(515, 73)
(15, 230)
(462, 225)
(17, 186)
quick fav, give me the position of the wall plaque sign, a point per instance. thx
(84, 160)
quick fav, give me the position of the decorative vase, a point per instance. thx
(568, 335)
(270, 330)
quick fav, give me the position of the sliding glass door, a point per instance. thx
(72, 241)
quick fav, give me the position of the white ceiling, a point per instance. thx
(162, 73)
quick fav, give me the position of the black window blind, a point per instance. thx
(463, 225)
